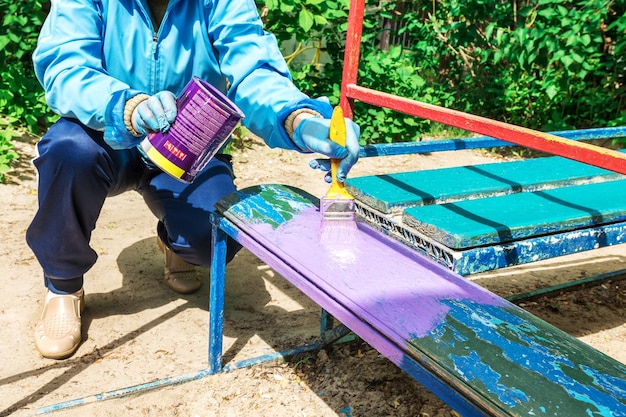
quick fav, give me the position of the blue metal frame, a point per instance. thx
(216, 303)
(478, 142)
(329, 332)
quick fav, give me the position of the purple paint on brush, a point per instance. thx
(377, 278)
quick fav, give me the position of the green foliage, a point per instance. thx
(21, 97)
(547, 64)
(7, 154)
(559, 68)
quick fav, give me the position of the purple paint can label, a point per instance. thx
(206, 118)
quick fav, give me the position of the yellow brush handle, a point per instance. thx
(338, 135)
(337, 189)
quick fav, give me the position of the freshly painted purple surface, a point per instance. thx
(480, 353)
(379, 278)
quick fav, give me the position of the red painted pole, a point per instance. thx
(352, 54)
(578, 151)
(545, 142)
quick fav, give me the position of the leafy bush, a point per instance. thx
(7, 154)
(559, 69)
(21, 98)
(547, 65)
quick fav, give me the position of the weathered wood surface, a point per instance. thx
(391, 193)
(480, 353)
(512, 217)
(538, 248)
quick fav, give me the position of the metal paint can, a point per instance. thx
(206, 118)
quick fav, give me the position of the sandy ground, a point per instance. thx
(136, 330)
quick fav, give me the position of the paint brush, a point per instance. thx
(337, 206)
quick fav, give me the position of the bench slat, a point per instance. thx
(512, 217)
(428, 320)
(391, 193)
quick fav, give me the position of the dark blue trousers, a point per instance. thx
(78, 171)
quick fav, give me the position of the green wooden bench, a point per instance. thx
(392, 193)
(482, 217)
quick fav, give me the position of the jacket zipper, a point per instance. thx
(155, 52)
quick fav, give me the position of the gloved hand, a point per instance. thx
(155, 114)
(313, 133)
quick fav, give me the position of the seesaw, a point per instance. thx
(479, 353)
(476, 351)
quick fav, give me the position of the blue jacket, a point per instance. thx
(93, 55)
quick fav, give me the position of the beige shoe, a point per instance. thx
(58, 331)
(182, 277)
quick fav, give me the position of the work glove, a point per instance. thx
(312, 134)
(156, 114)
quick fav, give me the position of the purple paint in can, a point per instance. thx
(206, 118)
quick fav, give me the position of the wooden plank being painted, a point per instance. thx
(391, 193)
(478, 352)
(512, 217)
